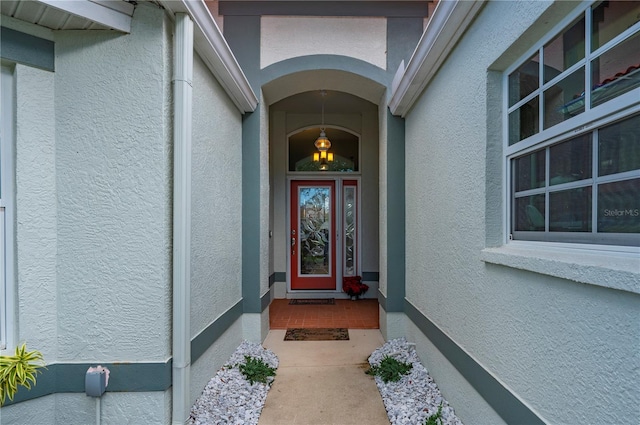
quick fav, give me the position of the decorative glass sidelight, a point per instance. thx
(314, 205)
(350, 228)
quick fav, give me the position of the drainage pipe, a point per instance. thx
(182, 117)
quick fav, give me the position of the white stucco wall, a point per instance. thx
(569, 350)
(216, 203)
(286, 37)
(36, 211)
(93, 167)
(113, 157)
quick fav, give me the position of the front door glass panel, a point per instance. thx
(315, 226)
(313, 235)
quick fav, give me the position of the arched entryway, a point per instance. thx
(324, 223)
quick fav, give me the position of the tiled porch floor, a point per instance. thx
(361, 314)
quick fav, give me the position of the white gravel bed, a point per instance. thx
(229, 398)
(415, 397)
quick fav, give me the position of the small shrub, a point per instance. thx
(18, 370)
(390, 369)
(256, 370)
(436, 418)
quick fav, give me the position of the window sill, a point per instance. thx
(606, 268)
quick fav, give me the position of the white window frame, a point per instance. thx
(620, 107)
(7, 208)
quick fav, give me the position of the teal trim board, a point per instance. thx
(251, 212)
(382, 300)
(265, 300)
(27, 49)
(126, 376)
(370, 276)
(325, 8)
(396, 270)
(324, 62)
(69, 378)
(205, 339)
(507, 405)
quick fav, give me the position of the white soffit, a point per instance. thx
(214, 50)
(449, 21)
(72, 14)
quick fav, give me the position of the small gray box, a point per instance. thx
(95, 383)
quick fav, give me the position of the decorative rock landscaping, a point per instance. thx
(415, 397)
(229, 398)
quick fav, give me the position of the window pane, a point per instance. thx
(564, 51)
(570, 161)
(523, 122)
(619, 147)
(529, 213)
(616, 72)
(610, 18)
(349, 230)
(564, 99)
(570, 210)
(619, 207)
(524, 80)
(529, 171)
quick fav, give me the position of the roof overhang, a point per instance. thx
(72, 14)
(216, 53)
(449, 21)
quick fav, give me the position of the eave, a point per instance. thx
(449, 21)
(214, 50)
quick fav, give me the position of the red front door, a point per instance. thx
(313, 235)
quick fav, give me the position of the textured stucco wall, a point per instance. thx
(113, 162)
(216, 201)
(285, 37)
(36, 210)
(569, 350)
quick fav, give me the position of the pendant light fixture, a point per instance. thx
(322, 143)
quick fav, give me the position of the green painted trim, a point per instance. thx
(396, 270)
(27, 49)
(403, 35)
(507, 405)
(324, 8)
(370, 276)
(265, 300)
(327, 62)
(243, 35)
(251, 213)
(126, 376)
(382, 300)
(205, 339)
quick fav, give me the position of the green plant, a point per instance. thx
(436, 418)
(390, 369)
(256, 370)
(18, 370)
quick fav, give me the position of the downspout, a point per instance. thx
(182, 116)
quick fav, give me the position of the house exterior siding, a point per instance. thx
(94, 172)
(560, 346)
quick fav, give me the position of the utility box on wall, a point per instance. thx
(96, 381)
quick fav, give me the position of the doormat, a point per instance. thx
(313, 301)
(317, 334)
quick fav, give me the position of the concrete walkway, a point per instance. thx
(323, 382)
